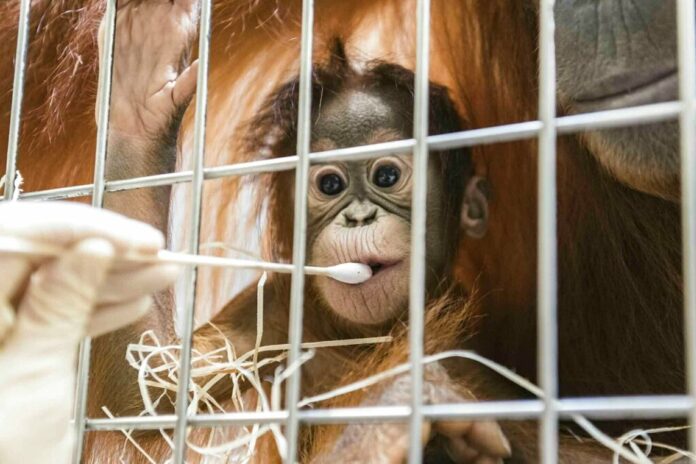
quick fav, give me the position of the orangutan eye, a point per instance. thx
(331, 184)
(386, 176)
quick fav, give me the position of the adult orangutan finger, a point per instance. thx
(185, 85)
(187, 4)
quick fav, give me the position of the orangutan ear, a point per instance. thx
(474, 218)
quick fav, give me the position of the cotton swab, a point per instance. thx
(349, 273)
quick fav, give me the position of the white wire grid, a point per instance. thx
(548, 410)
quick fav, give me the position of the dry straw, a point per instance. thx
(19, 181)
(158, 367)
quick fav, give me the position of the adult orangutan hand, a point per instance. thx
(152, 79)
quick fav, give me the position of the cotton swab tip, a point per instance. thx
(350, 273)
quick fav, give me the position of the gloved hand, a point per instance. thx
(48, 304)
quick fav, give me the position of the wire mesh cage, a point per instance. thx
(549, 408)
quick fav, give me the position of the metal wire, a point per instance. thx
(17, 97)
(418, 229)
(602, 408)
(198, 160)
(657, 112)
(103, 96)
(687, 126)
(292, 393)
(547, 272)
(546, 129)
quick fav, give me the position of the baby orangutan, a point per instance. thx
(358, 211)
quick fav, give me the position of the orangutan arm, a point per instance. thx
(151, 88)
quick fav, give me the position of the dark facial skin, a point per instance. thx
(360, 211)
(615, 54)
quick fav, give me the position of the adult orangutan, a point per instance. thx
(619, 253)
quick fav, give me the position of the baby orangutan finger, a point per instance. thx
(475, 442)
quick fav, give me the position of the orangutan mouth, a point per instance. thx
(378, 267)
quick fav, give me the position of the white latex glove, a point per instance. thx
(86, 291)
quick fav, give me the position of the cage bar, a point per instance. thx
(103, 108)
(656, 112)
(299, 236)
(418, 228)
(549, 409)
(547, 272)
(601, 408)
(198, 161)
(17, 97)
(687, 125)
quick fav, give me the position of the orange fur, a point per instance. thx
(619, 258)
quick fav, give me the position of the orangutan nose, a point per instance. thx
(360, 214)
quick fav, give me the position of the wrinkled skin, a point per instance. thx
(372, 228)
(367, 223)
(479, 442)
(616, 54)
(365, 220)
(567, 72)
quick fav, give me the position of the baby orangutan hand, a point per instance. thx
(467, 442)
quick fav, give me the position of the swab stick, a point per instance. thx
(349, 273)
